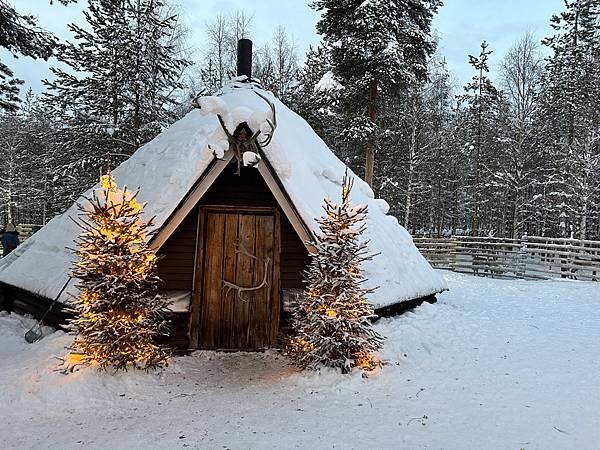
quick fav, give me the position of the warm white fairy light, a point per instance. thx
(119, 314)
(332, 324)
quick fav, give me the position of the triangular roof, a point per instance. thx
(170, 168)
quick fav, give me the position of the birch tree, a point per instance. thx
(520, 72)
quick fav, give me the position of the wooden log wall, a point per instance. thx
(177, 256)
(532, 257)
(22, 302)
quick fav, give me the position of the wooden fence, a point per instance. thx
(530, 257)
(25, 231)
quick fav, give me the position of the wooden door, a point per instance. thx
(238, 288)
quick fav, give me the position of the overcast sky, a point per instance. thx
(460, 24)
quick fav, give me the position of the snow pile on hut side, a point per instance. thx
(166, 168)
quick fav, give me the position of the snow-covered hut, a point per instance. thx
(220, 224)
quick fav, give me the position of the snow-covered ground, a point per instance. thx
(495, 364)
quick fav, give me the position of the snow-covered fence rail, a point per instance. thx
(529, 257)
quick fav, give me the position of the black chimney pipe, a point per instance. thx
(244, 58)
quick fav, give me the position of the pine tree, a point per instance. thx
(377, 47)
(13, 160)
(43, 184)
(121, 89)
(414, 157)
(440, 159)
(521, 166)
(481, 96)
(316, 98)
(571, 104)
(20, 35)
(333, 324)
(119, 312)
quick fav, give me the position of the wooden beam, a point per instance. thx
(286, 205)
(190, 201)
(198, 278)
(275, 291)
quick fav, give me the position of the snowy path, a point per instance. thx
(494, 365)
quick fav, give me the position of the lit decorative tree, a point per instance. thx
(119, 312)
(333, 323)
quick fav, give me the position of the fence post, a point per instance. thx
(594, 257)
(570, 261)
(522, 269)
(563, 263)
(453, 253)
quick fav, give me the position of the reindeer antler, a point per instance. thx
(194, 102)
(248, 143)
(230, 137)
(272, 123)
(228, 286)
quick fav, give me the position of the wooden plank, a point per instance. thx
(198, 281)
(176, 266)
(182, 266)
(185, 251)
(244, 276)
(213, 275)
(275, 306)
(573, 263)
(175, 275)
(259, 303)
(562, 240)
(183, 246)
(176, 282)
(294, 256)
(267, 210)
(483, 239)
(259, 332)
(560, 249)
(229, 297)
(174, 285)
(178, 257)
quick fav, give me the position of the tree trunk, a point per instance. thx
(412, 155)
(583, 222)
(370, 157)
(516, 225)
(571, 112)
(475, 224)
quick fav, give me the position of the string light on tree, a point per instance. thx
(333, 323)
(119, 313)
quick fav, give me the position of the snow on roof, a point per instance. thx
(166, 168)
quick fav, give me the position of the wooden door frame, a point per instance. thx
(196, 306)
